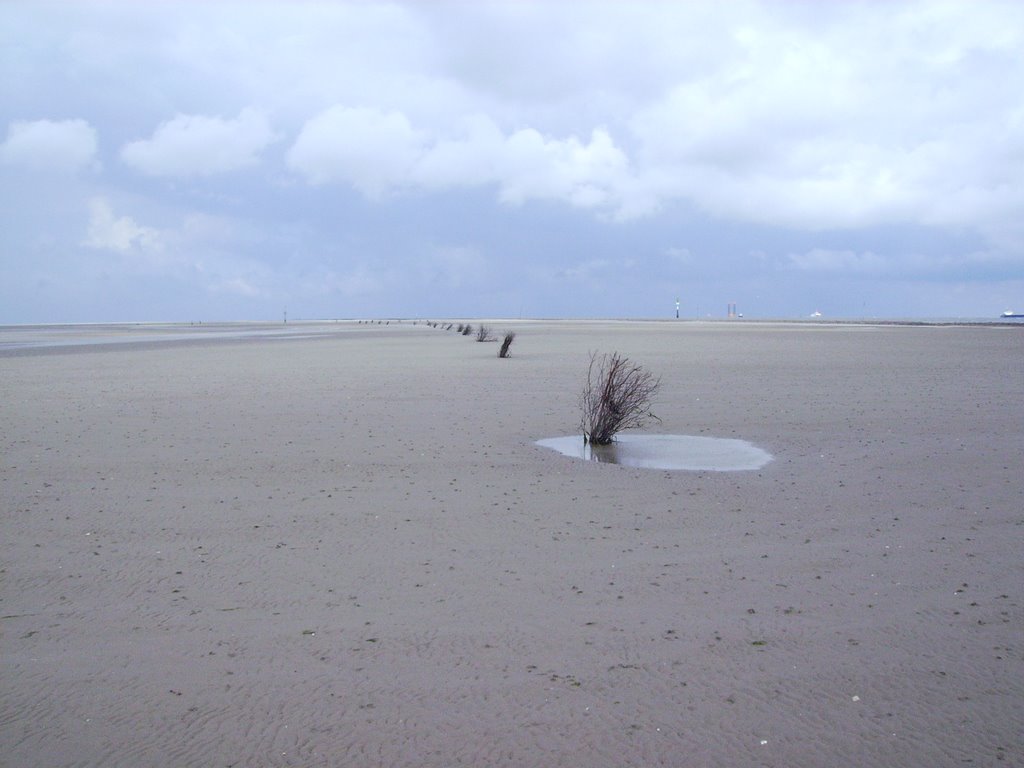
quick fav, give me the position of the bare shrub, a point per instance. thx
(506, 343)
(616, 396)
(483, 333)
(467, 329)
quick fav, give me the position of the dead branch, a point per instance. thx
(617, 395)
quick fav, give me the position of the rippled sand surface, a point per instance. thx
(347, 550)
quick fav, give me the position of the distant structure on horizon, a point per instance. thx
(730, 310)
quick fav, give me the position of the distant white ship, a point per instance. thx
(815, 314)
(1011, 313)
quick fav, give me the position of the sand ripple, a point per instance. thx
(350, 553)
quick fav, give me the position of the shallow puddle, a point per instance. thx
(715, 454)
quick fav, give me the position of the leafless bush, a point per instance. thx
(506, 343)
(467, 329)
(616, 396)
(483, 333)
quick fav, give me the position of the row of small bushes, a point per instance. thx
(617, 393)
(481, 333)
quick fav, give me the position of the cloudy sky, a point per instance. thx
(187, 160)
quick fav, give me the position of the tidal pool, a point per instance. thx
(715, 454)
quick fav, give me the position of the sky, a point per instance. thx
(184, 161)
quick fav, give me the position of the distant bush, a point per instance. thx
(483, 333)
(467, 329)
(617, 395)
(506, 343)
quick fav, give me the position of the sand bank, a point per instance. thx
(347, 550)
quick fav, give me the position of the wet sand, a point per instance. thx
(346, 550)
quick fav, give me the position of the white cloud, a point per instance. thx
(851, 115)
(371, 149)
(196, 145)
(590, 175)
(202, 249)
(808, 117)
(47, 145)
(471, 157)
(120, 234)
(827, 117)
(527, 165)
(377, 152)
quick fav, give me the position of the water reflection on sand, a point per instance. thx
(684, 452)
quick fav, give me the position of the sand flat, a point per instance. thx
(347, 551)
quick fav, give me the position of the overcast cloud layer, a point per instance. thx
(185, 161)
